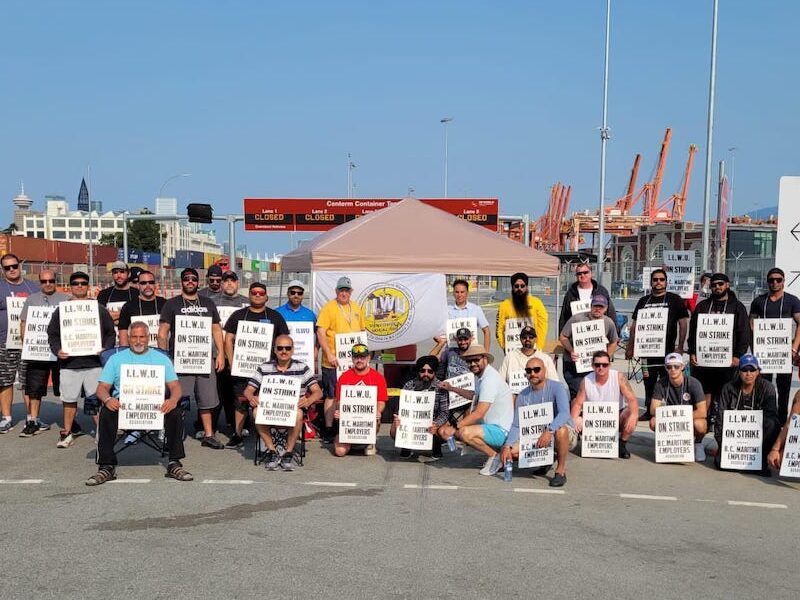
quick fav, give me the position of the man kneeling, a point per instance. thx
(542, 391)
(108, 389)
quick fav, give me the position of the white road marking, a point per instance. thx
(648, 497)
(332, 483)
(414, 486)
(535, 491)
(229, 481)
(23, 481)
(130, 481)
(755, 504)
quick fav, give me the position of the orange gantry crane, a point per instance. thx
(547, 235)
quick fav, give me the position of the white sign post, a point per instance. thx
(416, 416)
(454, 325)
(344, 344)
(80, 327)
(679, 265)
(787, 247)
(465, 381)
(674, 434)
(772, 344)
(14, 305)
(651, 332)
(36, 346)
(714, 340)
(302, 334)
(277, 401)
(587, 338)
(511, 333)
(251, 348)
(533, 420)
(358, 418)
(600, 435)
(141, 395)
(192, 345)
(790, 465)
(742, 440)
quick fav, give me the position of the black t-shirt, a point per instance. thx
(139, 307)
(199, 307)
(112, 294)
(268, 316)
(764, 308)
(691, 392)
(676, 310)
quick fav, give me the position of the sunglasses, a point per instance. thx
(748, 370)
(655, 279)
(775, 279)
(11, 267)
(149, 282)
(474, 359)
(673, 367)
(718, 283)
(425, 370)
(258, 293)
(214, 279)
(79, 283)
(601, 365)
(283, 348)
(295, 292)
(529, 370)
(520, 286)
(190, 279)
(47, 281)
(579, 273)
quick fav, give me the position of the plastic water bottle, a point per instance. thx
(451, 443)
(508, 471)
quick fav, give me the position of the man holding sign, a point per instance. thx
(678, 389)
(13, 290)
(772, 317)
(463, 309)
(748, 392)
(110, 392)
(515, 361)
(661, 330)
(146, 308)
(309, 393)
(360, 375)
(788, 443)
(87, 324)
(119, 292)
(522, 308)
(542, 390)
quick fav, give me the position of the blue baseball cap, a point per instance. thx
(748, 360)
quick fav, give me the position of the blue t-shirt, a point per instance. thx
(112, 368)
(302, 314)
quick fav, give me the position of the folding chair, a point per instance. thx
(259, 454)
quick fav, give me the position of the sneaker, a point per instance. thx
(65, 439)
(699, 452)
(199, 434)
(623, 450)
(406, 453)
(42, 425)
(491, 466)
(558, 480)
(370, 450)
(212, 442)
(272, 460)
(76, 429)
(235, 442)
(31, 429)
(6, 425)
(286, 462)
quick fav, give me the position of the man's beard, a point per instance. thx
(421, 385)
(520, 303)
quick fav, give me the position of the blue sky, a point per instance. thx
(267, 99)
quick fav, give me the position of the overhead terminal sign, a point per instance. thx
(788, 243)
(322, 214)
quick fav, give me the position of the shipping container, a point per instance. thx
(183, 259)
(196, 259)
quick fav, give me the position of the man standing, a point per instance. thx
(258, 312)
(542, 390)
(108, 394)
(523, 307)
(605, 384)
(463, 309)
(676, 389)
(582, 291)
(675, 329)
(597, 311)
(777, 304)
(310, 393)
(203, 386)
(360, 374)
(516, 360)
(214, 279)
(79, 374)
(12, 285)
(116, 295)
(722, 301)
(146, 308)
(340, 315)
(293, 310)
(38, 372)
(486, 426)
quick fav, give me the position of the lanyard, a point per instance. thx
(780, 310)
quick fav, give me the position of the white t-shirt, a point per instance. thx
(608, 392)
(585, 294)
(492, 388)
(516, 361)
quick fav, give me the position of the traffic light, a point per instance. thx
(200, 213)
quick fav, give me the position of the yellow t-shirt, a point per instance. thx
(335, 318)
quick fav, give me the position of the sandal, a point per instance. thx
(176, 471)
(103, 474)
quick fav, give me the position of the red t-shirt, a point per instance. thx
(371, 377)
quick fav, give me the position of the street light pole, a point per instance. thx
(732, 150)
(444, 121)
(709, 140)
(161, 236)
(604, 137)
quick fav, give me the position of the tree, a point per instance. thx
(10, 229)
(143, 235)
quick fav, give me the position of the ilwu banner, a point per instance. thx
(398, 308)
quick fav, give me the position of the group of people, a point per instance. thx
(137, 327)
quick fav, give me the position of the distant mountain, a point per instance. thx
(763, 213)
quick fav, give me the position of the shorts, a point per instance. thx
(9, 363)
(238, 386)
(494, 435)
(329, 378)
(202, 387)
(37, 374)
(75, 381)
(573, 437)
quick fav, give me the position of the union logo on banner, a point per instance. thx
(388, 310)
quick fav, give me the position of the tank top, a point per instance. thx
(609, 392)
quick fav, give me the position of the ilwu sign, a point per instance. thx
(141, 396)
(600, 435)
(533, 420)
(674, 434)
(679, 265)
(358, 414)
(714, 340)
(772, 344)
(742, 439)
(416, 417)
(587, 338)
(790, 465)
(277, 401)
(651, 332)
